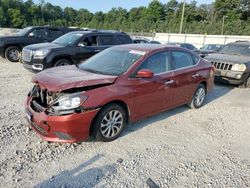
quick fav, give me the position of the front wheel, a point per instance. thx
(109, 123)
(12, 53)
(62, 62)
(199, 97)
(245, 84)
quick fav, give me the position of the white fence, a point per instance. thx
(198, 40)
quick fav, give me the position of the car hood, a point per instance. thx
(46, 45)
(10, 37)
(68, 77)
(228, 58)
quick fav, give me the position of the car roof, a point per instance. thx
(146, 47)
(98, 31)
(240, 43)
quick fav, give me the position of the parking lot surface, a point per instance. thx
(208, 147)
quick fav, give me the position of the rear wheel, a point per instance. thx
(109, 123)
(12, 53)
(62, 62)
(199, 97)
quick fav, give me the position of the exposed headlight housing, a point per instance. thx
(40, 54)
(239, 67)
(69, 102)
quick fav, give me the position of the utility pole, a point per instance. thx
(223, 23)
(182, 15)
(42, 3)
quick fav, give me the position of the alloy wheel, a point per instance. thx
(14, 54)
(111, 124)
(199, 96)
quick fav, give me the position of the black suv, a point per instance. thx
(232, 63)
(11, 46)
(71, 48)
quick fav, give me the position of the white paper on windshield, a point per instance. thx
(137, 52)
(79, 34)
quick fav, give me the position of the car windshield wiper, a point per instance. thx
(236, 54)
(93, 71)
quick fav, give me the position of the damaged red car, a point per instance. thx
(119, 85)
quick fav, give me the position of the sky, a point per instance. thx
(106, 5)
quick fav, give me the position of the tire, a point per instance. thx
(104, 126)
(246, 83)
(62, 62)
(13, 53)
(198, 97)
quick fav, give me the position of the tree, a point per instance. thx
(17, 19)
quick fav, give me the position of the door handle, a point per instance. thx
(195, 75)
(97, 50)
(169, 82)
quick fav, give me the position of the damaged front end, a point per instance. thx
(56, 103)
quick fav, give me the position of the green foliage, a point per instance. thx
(156, 17)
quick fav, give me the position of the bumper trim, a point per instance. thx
(35, 67)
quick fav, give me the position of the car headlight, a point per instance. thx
(39, 54)
(239, 67)
(69, 102)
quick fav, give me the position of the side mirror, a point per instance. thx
(81, 44)
(144, 73)
(202, 55)
(31, 35)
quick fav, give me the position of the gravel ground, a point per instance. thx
(208, 147)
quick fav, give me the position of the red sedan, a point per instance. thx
(117, 86)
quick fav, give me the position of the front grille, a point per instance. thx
(42, 98)
(36, 107)
(39, 101)
(26, 55)
(222, 65)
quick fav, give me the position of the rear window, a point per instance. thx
(108, 40)
(125, 39)
(54, 33)
(182, 59)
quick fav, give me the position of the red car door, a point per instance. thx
(152, 95)
(185, 76)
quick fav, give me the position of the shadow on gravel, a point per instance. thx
(219, 91)
(81, 176)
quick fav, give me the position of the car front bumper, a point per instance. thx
(231, 77)
(67, 129)
(1, 51)
(37, 65)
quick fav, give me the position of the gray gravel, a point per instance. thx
(208, 147)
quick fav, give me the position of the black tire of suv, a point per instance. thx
(246, 83)
(8, 55)
(97, 129)
(193, 104)
(62, 62)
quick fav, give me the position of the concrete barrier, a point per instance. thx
(198, 40)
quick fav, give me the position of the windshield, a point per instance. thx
(112, 61)
(68, 39)
(211, 47)
(236, 49)
(24, 31)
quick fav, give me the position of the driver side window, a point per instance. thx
(39, 33)
(90, 41)
(158, 63)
